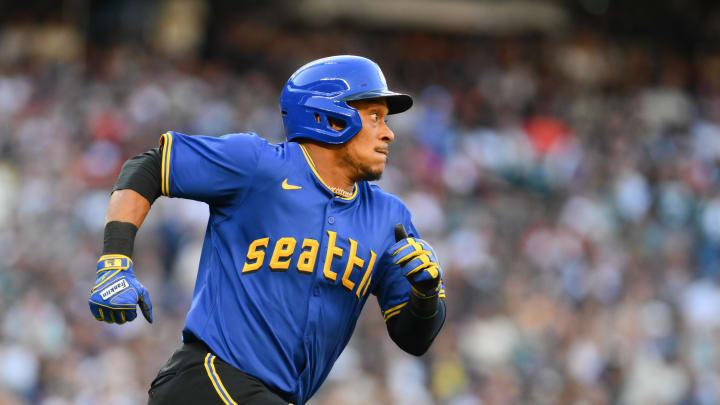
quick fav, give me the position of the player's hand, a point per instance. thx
(116, 293)
(417, 262)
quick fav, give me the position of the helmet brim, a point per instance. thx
(396, 102)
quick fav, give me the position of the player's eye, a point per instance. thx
(374, 116)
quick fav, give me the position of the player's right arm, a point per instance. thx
(116, 292)
(208, 169)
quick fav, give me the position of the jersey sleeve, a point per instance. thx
(393, 290)
(205, 168)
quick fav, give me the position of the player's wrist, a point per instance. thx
(110, 265)
(114, 261)
(423, 306)
(119, 238)
(423, 291)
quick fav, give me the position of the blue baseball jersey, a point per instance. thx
(286, 265)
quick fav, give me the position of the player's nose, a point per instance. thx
(386, 134)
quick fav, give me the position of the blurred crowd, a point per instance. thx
(570, 187)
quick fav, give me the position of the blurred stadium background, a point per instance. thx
(562, 156)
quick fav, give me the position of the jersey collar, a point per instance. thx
(310, 163)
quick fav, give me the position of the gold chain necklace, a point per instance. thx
(341, 192)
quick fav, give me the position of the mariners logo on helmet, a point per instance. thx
(322, 88)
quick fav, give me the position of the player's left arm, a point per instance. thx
(418, 322)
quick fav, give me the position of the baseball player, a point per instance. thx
(296, 241)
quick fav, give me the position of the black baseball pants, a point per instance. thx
(194, 376)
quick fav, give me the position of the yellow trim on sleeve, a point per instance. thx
(166, 140)
(396, 307)
(167, 168)
(390, 315)
(393, 311)
(314, 169)
(163, 143)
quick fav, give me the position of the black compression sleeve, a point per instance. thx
(142, 174)
(119, 238)
(414, 333)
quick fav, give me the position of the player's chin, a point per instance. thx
(379, 167)
(372, 173)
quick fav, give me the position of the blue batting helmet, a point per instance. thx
(322, 88)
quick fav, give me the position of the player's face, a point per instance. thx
(366, 153)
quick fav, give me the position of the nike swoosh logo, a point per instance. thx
(287, 186)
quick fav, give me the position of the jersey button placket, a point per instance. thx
(331, 221)
(314, 307)
(330, 208)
